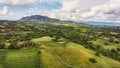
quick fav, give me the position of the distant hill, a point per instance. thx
(100, 23)
(38, 18)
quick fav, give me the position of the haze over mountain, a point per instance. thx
(38, 18)
(100, 23)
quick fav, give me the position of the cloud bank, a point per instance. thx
(88, 10)
(94, 10)
(4, 11)
(6, 3)
(17, 2)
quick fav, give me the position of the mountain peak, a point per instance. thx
(37, 18)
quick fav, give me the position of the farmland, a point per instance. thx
(41, 45)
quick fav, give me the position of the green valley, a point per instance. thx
(54, 45)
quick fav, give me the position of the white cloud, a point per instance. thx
(17, 2)
(100, 10)
(48, 1)
(73, 9)
(4, 11)
(107, 12)
(33, 11)
(11, 16)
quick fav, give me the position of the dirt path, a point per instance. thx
(59, 58)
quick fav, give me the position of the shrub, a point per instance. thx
(118, 58)
(97, 53)
(106, 43)
(2, 45)
(92, 60)
(39, 52)
(118, 49)
(13, 45)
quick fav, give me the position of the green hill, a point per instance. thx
(38, 45)
(50, 54)
(71, 55)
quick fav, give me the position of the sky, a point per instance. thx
(77, 10)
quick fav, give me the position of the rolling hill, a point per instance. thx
(70, 55)
(36, 45)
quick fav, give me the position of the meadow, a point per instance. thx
(38, 45)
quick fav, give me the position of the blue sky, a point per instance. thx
(78, 10)
(23, 10)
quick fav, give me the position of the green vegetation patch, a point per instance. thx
(54, 55)
(42, 39)
(106, 44)
(27, 58)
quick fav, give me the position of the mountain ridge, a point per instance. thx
(38, 18)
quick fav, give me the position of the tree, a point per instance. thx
(13, 45)
(92, 60)
(56, 38)
(106, 43)
(118, 49)
(2, 45)
(113, 50)
(97, 53)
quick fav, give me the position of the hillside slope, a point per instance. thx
(50, 54)
(70, 55)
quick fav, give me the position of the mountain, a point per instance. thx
(38, 18)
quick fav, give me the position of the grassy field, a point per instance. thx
(2, 57)
(26, 58)
(106, 44)
(42, 39)
(54, 55)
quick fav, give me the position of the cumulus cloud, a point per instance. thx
(17, 2)
(94, 10)
(74, 9)
(33, 11)
(100, 10)
(48, 1)
(11, 16)
(24, 2)
(6, 3)
(110, 11)
(4, 11)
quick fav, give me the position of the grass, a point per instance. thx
(22, 58)
(2, 57)
(54, 55)
(42, 39)
(103, 42)
(1, 66)
(27, 58)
